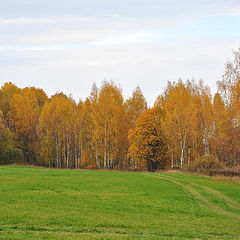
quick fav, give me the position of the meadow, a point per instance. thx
(39, 203)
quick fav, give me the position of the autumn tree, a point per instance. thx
(90, 143)
(223, 135)
(205, 118)
(179, 120)
(148, 147)
(25, 109)
(6, 93)
(230, 84)
(57, 132)
(229, 90)
(78, 133)
(8, 151)
(110, 109)
(135, 105)
(133, 108)
(6, 140)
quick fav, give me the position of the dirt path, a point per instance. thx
(227, 200)
(197, 195)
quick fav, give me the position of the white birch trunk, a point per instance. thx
(205, 142)
(64, 154)
(181, 158)
(97, 160)
(57, 151)
(183, 146)
(68, 150)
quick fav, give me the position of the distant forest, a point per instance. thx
(108, 132)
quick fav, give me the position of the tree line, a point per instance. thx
(108, 132)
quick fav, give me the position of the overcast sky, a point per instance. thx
(67, 45)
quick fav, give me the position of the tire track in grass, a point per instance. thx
(227, 200)
(197, 195)
(147, 235)
(103, 234)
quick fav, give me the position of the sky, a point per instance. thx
(67, 45)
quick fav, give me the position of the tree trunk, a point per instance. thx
(97, 160)
(57, 151)
(189, 156)
(181, 158)
(205, 142)
(105, 147)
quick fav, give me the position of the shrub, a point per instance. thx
(12, 155)
(206, 164)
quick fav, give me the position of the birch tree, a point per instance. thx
(56, 125)
(229, 89)
(179, 119)
(205, 118)
(110, 109)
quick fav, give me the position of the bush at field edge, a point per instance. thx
(207, 164)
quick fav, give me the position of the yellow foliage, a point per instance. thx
(147, 144)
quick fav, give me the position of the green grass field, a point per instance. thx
(38, 203)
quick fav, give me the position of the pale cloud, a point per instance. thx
(71, 30)
(52, 20)
(137, 38)
(126, 39)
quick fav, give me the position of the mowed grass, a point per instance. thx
(38, 203)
